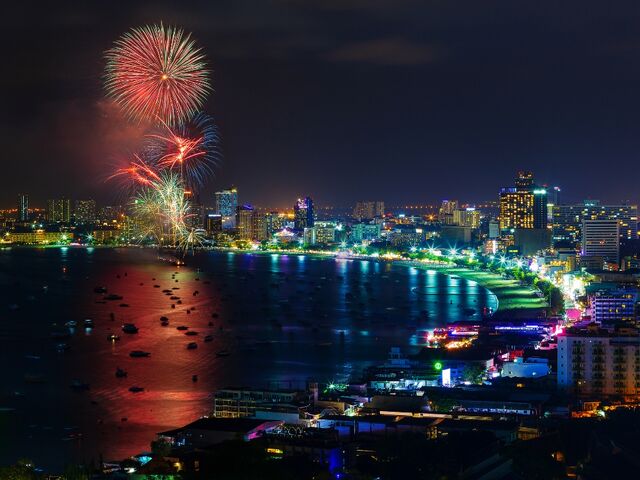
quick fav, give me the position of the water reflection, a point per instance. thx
(283, 319)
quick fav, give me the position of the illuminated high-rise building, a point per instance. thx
(445, 214)
(303, 213)
(326, 232)
(601, 238)
(23, 207)
(468, 217)
(523, 206)
(58, 210)
(227, 205)
(85, 211)
(368, 210)
(274, 222)
(250, 224)
(567, 219)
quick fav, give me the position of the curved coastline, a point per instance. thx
(509, 294)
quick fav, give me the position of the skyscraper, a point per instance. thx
(58, 210)
(523, 206)
(214, 223)
(85, 211)
(468, 217)
(303, 213)
(445, 214)
(250, 224)
(601, 238)
(368, 210)
(227, 205)
(23, 207)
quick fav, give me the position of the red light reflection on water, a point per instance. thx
(123, 423)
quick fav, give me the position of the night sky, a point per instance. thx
(400, 100)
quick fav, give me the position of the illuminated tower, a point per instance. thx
(303, 213)
(227, 205)
(23, 207)
(523, 206)
(58, 210)
(85, 211)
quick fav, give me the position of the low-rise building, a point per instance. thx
(526, 368)
(206, 432)
(613, 303)
(243, 402)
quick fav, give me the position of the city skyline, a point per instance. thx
(352, 106)
(320, 239)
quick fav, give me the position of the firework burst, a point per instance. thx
(162, 210)
(191, 148)
(157, 74)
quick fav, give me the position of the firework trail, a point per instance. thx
(138, 172)
(163, 211)
(191, 148)
(156, 73)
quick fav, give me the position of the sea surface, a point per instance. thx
(283, 319)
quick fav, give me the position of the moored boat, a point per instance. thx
(139, 354)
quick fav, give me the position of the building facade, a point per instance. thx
(250, 224)
(59, 210)
(226, 206)
(445, 214)
(303, 214)
(523, 206)
(568, 219)
(601, 239)
(599, 363)
(613, 305)
(468, 217)
(85, 211)
(368, 210)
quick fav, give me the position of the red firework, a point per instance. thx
(138, 172)
(157, 74)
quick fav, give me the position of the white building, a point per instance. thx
(598, 362)
(601, 238)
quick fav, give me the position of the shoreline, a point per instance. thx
(510, 295)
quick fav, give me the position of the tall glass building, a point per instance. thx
(226, 206)
(303, 213)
